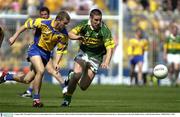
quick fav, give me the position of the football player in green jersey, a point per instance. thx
(172, 53)
(95, 42)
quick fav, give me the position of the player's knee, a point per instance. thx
(27, 82)
(83, 88)
(77, 76)
(50, 71)
(40, 72)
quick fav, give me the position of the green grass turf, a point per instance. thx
(98, 98)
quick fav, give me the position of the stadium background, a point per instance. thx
(153, 16)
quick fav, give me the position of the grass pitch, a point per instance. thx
(98, 98)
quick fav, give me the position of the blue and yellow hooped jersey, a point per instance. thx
(46, 36)
(137, 46)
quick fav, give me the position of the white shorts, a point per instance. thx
(173, 58)
(92, 62)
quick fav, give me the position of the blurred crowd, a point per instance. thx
(154, 17)
(31, 7)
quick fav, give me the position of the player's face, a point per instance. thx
(61, 24)
(96, 21)
(174, 30)
(139, 34)
(44, 14)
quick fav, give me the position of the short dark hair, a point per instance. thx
(63, 15)
(44, 9)
(95, 12)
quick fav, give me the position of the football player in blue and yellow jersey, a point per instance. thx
(137, 47)
(96, 43)
(44, 13)
(53, 33)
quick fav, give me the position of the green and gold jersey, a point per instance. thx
(172, 44)
(96, 41)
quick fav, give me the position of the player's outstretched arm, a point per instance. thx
(57, 61)
(107, 59)
(15, 36)
(73, 36)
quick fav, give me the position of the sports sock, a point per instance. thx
(36, 97)
(29, 90)
(68, 98)
(9, 77)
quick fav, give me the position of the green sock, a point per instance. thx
(67, 98)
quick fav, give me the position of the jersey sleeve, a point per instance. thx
(62, 45)
(77, 29)
(108, 40)
(33, 23)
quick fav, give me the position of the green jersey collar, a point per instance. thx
(89, 23)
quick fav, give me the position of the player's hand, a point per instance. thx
(130, 57)
(104, 65)
(57, 68)
(12, 40)
(81, 38)
(165, 58)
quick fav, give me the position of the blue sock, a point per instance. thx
(62, 85)
(30, 89)
(9, 77)
(36, 96)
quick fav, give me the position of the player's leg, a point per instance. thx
(50, 69)
(90, 71)
(170, 72)
(39, 68)
(28, 92)
(171, 68)
(78, 69)
(139, 74)
(132, 72)
(176, 73)
(19, 77)
(84, 72)
(86, 79)
(176, 69)
(77, 72)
